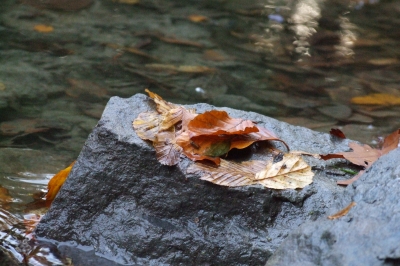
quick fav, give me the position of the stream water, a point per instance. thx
(306, 62)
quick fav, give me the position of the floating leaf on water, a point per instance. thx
(377, 99)
(2, 86)
(213, 55)
(197, 18)
(43, 28)
(342, 212)
(383, 61)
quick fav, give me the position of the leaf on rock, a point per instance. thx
(337, 133)
(342, 212)
(391, 142)
(218, 122)
(377, 99)
(290, 172)
(228, 173)
(56, 182)
(147, 125)
(364, 155)
(167, 151)
(175, 129)
(163, 107)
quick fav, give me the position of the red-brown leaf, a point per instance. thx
(337, 133)
(218, 122)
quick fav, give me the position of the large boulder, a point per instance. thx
(368, 235)
(120, 203)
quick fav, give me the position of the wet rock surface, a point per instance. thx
(368, 235)
(122, 204)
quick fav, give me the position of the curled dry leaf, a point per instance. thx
(163, 107)
(342, 212)
(56, 182)
(290, 172)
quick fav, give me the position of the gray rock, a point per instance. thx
(368, 235)
(120, 203)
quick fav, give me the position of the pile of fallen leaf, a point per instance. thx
(175, 130)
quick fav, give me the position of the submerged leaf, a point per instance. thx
(43, 28)
(197, 18)
(377, 99)
(56, 182)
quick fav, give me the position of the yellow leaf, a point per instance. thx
(43, 28)
(2, 87)
(197, 18)
(290, 172)
(147, 125)
(56, 182)
(377, 99)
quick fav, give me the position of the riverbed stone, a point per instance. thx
(120, 203)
